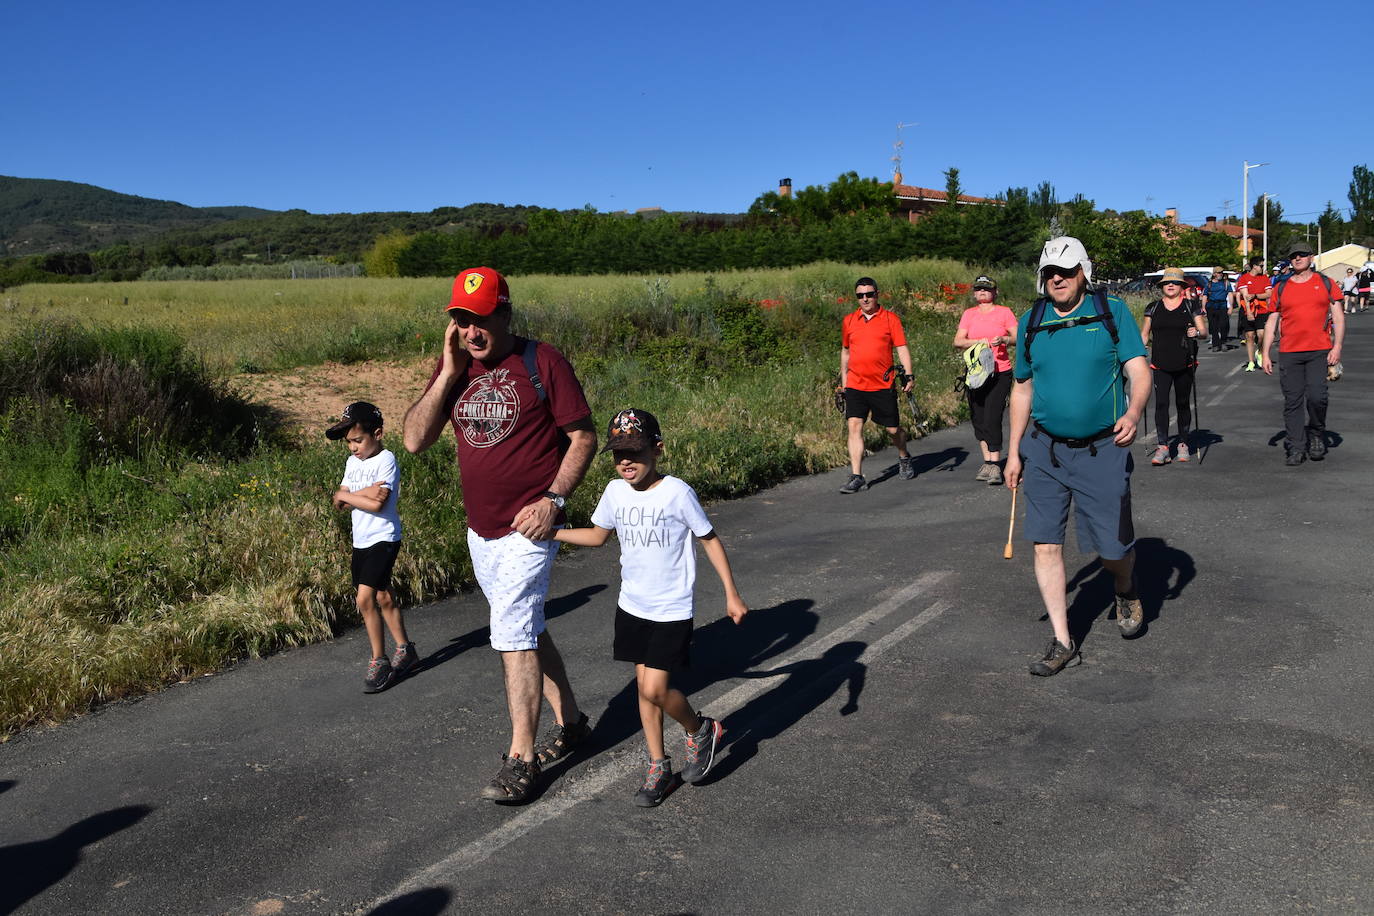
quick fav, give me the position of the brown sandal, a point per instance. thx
(562, 741)
(514, 784)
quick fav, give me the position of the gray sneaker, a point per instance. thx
(907, 467)
(701, 749)
(379, 675)
(1316, 445)
(994, 475)
(1057, 657)
(855, 484)
(982, 474)
(404, 660)
(657, 784)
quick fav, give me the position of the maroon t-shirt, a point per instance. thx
(510, 444)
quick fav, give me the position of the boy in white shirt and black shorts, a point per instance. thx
(370, 486)
(655, 517)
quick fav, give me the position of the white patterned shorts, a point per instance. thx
(513, 572)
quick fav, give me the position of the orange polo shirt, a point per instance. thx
(870, 342)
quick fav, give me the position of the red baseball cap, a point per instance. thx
(479, 290)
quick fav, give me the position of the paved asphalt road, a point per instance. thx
(886, 749)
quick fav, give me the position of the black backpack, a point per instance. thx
(1102, 313)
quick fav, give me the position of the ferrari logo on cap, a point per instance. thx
(471, 283)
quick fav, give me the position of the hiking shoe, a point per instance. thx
(1294, 457)
(379, 675)
(982, 474)
(562, 740)
(1129, 615)
(1160, 456)
(906, 467)
(701, 749)
(1057, 656)
(515, 783)
(657, 783)
(855, 484)
(1183, 454)
(1316, 445)
(404, 660)
(994, 475)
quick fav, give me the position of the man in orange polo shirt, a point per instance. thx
(1308, 312)
(866, 345)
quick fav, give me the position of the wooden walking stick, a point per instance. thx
(1011, 523)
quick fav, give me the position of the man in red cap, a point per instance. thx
(525, 439)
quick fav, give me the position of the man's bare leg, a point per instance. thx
(1049, 575)
(557, 689)
(898, 439)
(856, 444)
(523, 678)
(1123, 571)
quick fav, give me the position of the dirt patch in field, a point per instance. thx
(310, 399)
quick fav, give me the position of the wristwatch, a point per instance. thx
(558, 501)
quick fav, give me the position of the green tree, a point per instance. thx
(1361, 196)
(952, 188)
(380, 259)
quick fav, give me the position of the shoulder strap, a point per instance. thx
(1150, 308)
(1037, 314)
(1278, 292)
(532, 370)
(1105, 311)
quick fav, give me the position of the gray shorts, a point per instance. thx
(1098, 486)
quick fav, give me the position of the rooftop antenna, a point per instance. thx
(897, 151)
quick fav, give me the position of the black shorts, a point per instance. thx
(882, 404)
(1245, 324)
(372, 565)
(665, 645)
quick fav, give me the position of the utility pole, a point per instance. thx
(1245, 209)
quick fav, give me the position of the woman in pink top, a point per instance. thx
(995, 325)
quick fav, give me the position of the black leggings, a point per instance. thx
(1181, 381)
(986, 405)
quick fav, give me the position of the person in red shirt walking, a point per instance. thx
(1307, 306)
(867, 340)
(1252, 294)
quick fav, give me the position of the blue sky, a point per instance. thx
(347, 106)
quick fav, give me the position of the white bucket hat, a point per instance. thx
(1065, 251)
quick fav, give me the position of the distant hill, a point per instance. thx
(40, 215)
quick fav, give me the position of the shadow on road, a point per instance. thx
(720, 650)
(554, 607)
(6, 785)
(427, 902)
(1161, 574)
(945, 460)
(809, 683)
(31, 868)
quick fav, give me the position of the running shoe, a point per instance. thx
(1057, 657)
(1249, 367)
(983, 472)
(1129, 615)
(657, 783)
(1316, 445)
(1160, 456)
(994, 475)
(1294, 457)
(907, 467)
(701, 749)
(404, 660)
(855, 484)
(379, 675)
(1183, 454)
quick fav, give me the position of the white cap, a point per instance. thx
(1065, 251)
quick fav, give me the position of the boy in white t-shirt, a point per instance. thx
(654, 517)
(370, 486)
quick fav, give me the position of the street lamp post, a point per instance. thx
(1245, 210)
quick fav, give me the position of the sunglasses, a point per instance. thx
(1068, 273)
(865, 295)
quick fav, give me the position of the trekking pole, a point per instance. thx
(900, 380)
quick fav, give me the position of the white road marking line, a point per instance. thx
(1224, 392)
(1239, 366)
(619, 766)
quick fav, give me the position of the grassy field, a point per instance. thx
(140, 548)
